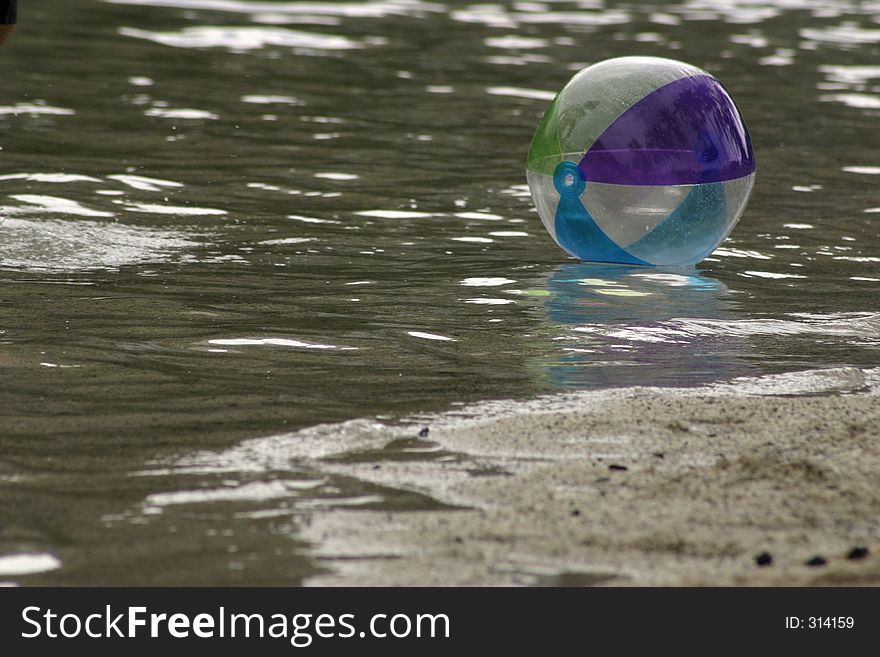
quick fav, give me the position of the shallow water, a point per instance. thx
(228, 219)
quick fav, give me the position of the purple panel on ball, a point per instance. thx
(684, 133)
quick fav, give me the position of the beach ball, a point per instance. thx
(641, 160)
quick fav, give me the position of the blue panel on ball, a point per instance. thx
(690, 232)
(578, 234)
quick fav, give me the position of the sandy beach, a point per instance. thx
(627, 487)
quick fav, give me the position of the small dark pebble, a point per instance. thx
(377, 467)
(764, 559)
(659, 455)
(576, 512)
(424, 432)
(817, 561)
(858, 553)
(614, 466)
(458, 539)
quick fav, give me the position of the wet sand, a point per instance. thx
(631, 487)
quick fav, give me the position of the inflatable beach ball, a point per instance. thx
(641, 160)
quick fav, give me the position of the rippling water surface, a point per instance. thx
(222, 220)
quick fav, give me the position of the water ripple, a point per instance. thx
(243, 38)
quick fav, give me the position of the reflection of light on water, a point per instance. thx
(243, 38)
(483, 216)
(486, 281)
(675, 280)
(43, 232)
(430, 336)
(259, 99)
(65, 245)
(842, 35)
(488, 301)
(741, 253)
(181, 113)
(393, 214)
(475, 240)
(612, 326)
(277, 342)
(143, 183)
(753, 40)
(188, 210)
(360, 500)
(497, 15)
(27, 564)
(769, 274)
(520, 92)
(811, 382)
(50, 177)
(376, 9)
(32, 109)
(862, 325)
(514, 42)
(853, 81)
(518, 191)
(859, 258)
(857, 101)
(288, 240)
(52, 205)
(850, 75)
(251, 492)
(332, 175)
(842, 324)
(782, 57)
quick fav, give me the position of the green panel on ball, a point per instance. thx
(545, 151)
